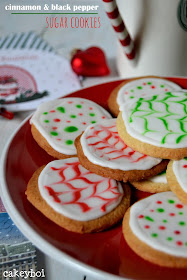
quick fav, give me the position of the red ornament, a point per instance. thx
(6, 114)
(90, 62)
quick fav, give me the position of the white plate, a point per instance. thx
(39, 71)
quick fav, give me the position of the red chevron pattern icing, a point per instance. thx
(105, 143)
(102, 145)
(72, 185)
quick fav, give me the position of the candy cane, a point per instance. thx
(119, 27)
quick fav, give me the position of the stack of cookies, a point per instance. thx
(100, 158)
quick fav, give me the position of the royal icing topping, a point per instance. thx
(160, 221)
(143, 87)
(160, 178)
(77, 193)
(102, 145)
(159, 120)
(180, 171)
(61, 121)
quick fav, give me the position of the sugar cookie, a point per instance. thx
(156, 125)
(57, 123)
(142, 86)
(101, 150)
(154, 184)
(76, 198)
(156, 229)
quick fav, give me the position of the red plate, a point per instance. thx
(94, 253)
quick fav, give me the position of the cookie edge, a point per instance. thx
(174, 184)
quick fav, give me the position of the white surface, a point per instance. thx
(45, 76)
(159, 39)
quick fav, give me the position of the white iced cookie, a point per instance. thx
(101, 150)
(60, 121)
(156, 229)
(156, 125)
(76, 198)
(154, 184)
(177, 178)
(139, 87)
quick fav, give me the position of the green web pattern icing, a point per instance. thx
(145, 110)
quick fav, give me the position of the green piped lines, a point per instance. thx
(163, 141)
(166, 106)
(154, 97)
(183, 103)
(181, 123)
(139, 103)
(146, 123)
(165, 123)
(168, 95)
(167, 115)
(178, 140)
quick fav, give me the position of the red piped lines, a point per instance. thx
(104, 144)
(140, 158)
(77, 192)
(107, 200)
(53, 194)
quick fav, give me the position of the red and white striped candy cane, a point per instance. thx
(119, 27)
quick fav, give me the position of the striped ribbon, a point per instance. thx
(120, 28)
(27, 40)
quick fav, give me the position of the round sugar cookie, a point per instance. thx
(101, 150)
(57, 123)
(156, 229)
(77, 199)
(177, 178)
(154, 184)
(138, 87)
(156, 125)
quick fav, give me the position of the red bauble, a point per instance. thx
(6, 114)
(90, 62)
